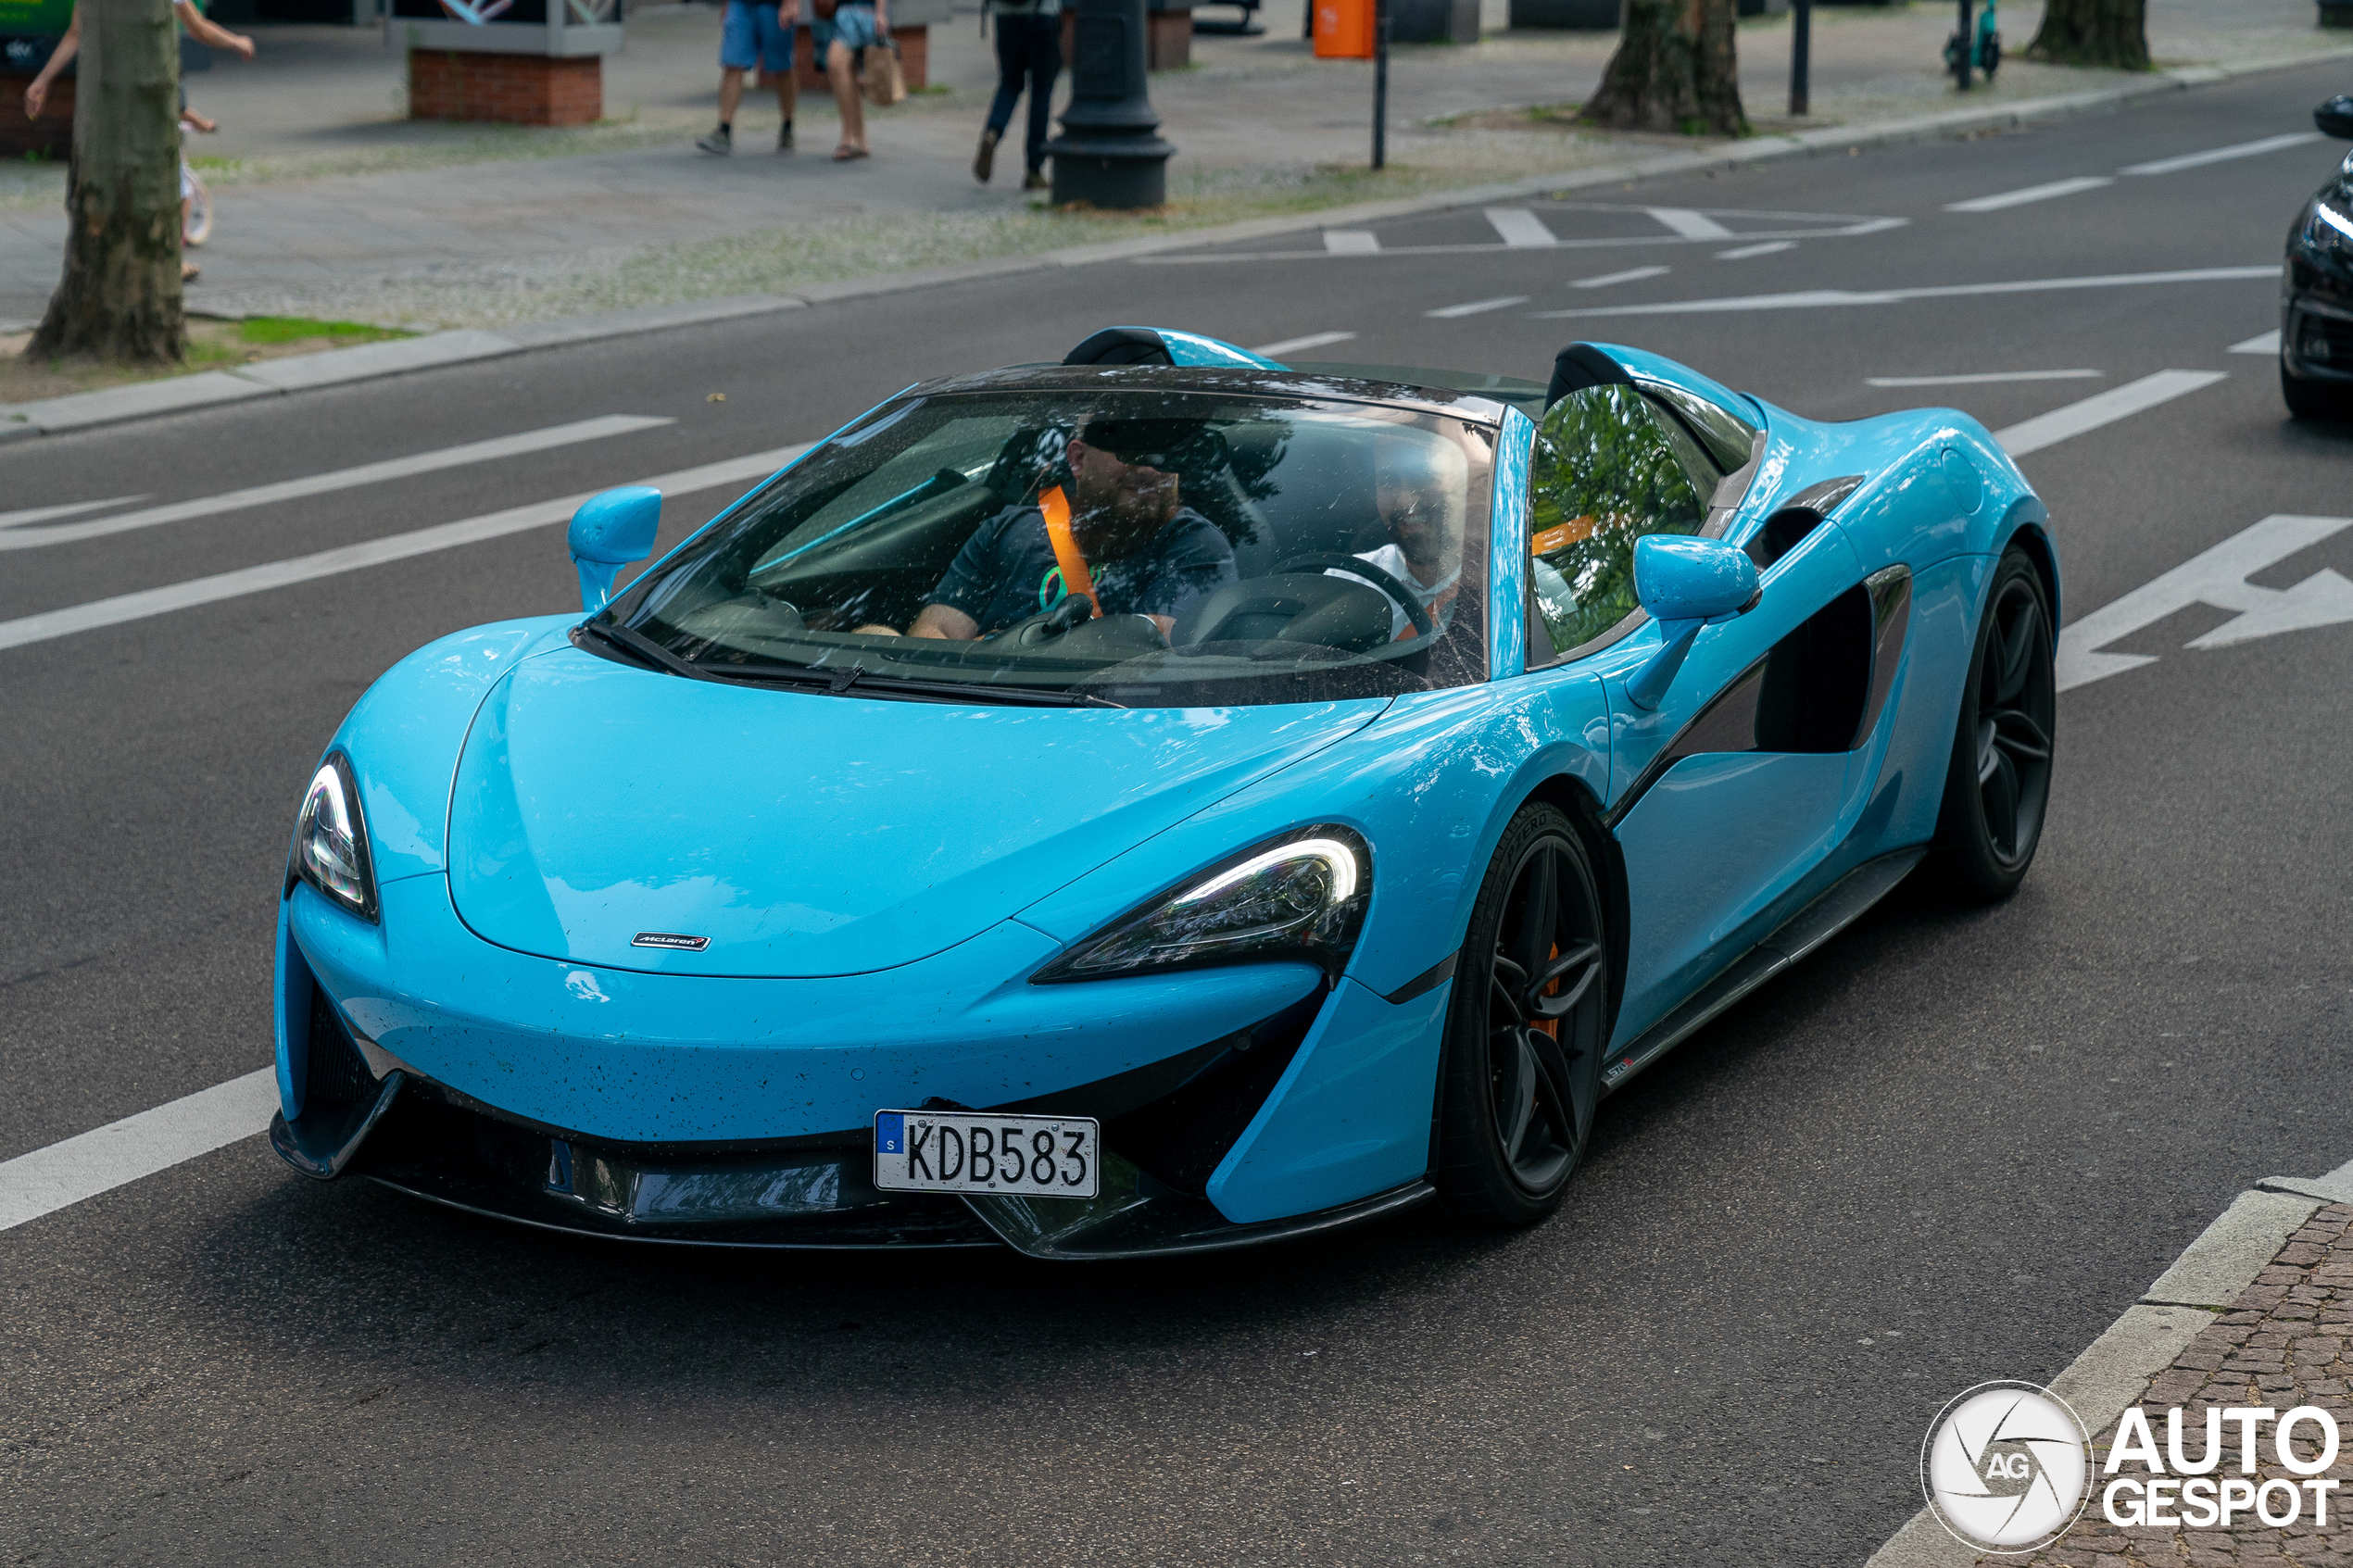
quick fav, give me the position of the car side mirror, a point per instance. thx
(2336, 117)
(609, 532)
(1685, 584)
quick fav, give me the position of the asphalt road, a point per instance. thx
(1950, 1148)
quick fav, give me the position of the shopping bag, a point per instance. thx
(885, 83)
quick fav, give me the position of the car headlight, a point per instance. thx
(2327, 229)
(1301, 897)
(330, 840)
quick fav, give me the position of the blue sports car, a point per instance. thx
(1161, 801)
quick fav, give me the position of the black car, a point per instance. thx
(2316, 290)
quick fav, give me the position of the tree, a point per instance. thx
(119, 297)
(2093, 32)
(1675, 70)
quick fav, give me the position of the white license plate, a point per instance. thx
(965, 1151)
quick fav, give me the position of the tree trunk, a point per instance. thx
(1676, 68)
(2093, 32)
(120, 297)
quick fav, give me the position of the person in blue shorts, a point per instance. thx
(754, 33)
(842, 41)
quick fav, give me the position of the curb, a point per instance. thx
(2119, 1366)
(342, 366)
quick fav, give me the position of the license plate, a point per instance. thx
(962, 1151)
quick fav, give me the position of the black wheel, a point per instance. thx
(1525, 1036)
(2000, 780)
(2314, 400)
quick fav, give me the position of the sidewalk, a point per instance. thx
(2287, 1341)
(332, 207)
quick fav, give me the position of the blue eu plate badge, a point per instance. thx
(891, 1132)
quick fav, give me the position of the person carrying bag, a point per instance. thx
(850, 36)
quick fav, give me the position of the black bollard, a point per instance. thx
(1801, 50)
(1960, 67)
(1108, 155)
(1380, 83)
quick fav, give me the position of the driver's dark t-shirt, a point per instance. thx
(1007, 572)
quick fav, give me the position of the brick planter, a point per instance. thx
(505, 89)
(52, 135)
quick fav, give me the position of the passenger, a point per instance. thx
(1125, 538)
(1420, 484)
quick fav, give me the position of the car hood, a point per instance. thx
(805, 834)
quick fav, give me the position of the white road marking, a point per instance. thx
(1691, 225)
(2216, 577)
(1846, 229)
(2032, 194)
(1293, 345)
(1820, 300)
(340, 478)
(1768, 249)
(1981, 378)
(2103, 409)
(1477, 305)
(42, 514)
(2220, 155)
(1351, 242)
(1630, 275)
(2261, 342)
(373, 552)
(64, 1173)
(1519, 227)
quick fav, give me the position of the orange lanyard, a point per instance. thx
(1055, 508)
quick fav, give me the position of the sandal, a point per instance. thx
(846, 154)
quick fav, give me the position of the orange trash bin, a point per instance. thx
(1343, 30)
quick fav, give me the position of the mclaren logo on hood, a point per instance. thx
(669, 939)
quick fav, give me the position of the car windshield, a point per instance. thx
(1134, 545)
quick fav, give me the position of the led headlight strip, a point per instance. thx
(330, 848)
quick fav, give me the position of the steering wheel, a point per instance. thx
(1355, 566)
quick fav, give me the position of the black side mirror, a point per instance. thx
(2336, 117)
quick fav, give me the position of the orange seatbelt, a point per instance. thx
(1056, 507)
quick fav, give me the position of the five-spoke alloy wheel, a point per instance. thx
(2000, 781)
(1526, 1029)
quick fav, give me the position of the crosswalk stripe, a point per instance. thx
(2031, 194)
(1519, 227)
(2102, 408)
(2221, 155)
(597, 429)
(1351, 242)
(1690, 224)
(373, 552)
(1818, 299)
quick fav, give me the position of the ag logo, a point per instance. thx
(2006, 1467)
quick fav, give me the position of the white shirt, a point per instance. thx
(1391, 559)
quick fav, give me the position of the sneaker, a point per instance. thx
(1036, 181)
(784, 137)
(722, 140)
(985, 160)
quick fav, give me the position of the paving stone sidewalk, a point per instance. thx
(2287, 1341)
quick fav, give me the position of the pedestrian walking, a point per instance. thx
(842, 38)
(754, 33)
(1029, 55)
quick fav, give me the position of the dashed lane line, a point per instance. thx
(598, 428)
(1981, 378)
(64, 1173)
(2032, 194)
(1477, 307)
(373, 552)
(1519, 227)
(1818, 299)
(42, 514)
(2223, 155)
(2261, 342)
(1351, 242)
(1768, 248)
(1293, 345)
(1632, 274)
(2103, 409)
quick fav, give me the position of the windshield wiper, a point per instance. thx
(644, 649)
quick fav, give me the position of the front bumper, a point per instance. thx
(643, 1114)
(2316, 321)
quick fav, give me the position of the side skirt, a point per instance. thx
(1839, 907)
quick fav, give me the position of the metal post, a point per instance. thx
(1380, 83)
(1109, 154)
(1801, 51)
(1967, 43)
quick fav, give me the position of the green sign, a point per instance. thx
(35, 18)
